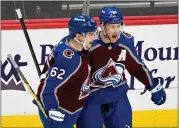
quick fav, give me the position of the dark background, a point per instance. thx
(65, 9)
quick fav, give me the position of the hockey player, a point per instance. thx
(111, 55)
(64, 83)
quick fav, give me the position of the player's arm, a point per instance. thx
(131, 46)
(140, 67)
(59, 73)
(139, 70)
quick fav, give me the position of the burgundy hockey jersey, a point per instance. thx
(108, 65)
(65, 79)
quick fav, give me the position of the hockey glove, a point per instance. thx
(55, 119)
(158, 93)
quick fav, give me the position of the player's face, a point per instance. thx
(90, 37)
(112, 31)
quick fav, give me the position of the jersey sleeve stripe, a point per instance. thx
(55, 91)
(137, 61)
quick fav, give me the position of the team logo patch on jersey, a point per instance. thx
(109, 75)
(122, 56)
(68, 53)
(127, 34)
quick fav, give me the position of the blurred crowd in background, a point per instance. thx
(65, 9)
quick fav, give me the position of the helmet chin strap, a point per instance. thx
(105, 34)
(83, 43)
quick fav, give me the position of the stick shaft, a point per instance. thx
(27, 84)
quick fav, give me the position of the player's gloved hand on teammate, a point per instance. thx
(158, 93)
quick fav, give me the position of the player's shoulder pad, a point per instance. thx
(64, 53)
(62, 42)
(126, 39)
(67, 58)
(63, 50)
(96, 44)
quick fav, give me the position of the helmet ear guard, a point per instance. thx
(122, 23)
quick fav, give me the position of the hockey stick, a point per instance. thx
(26, 83)
(19, 14)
